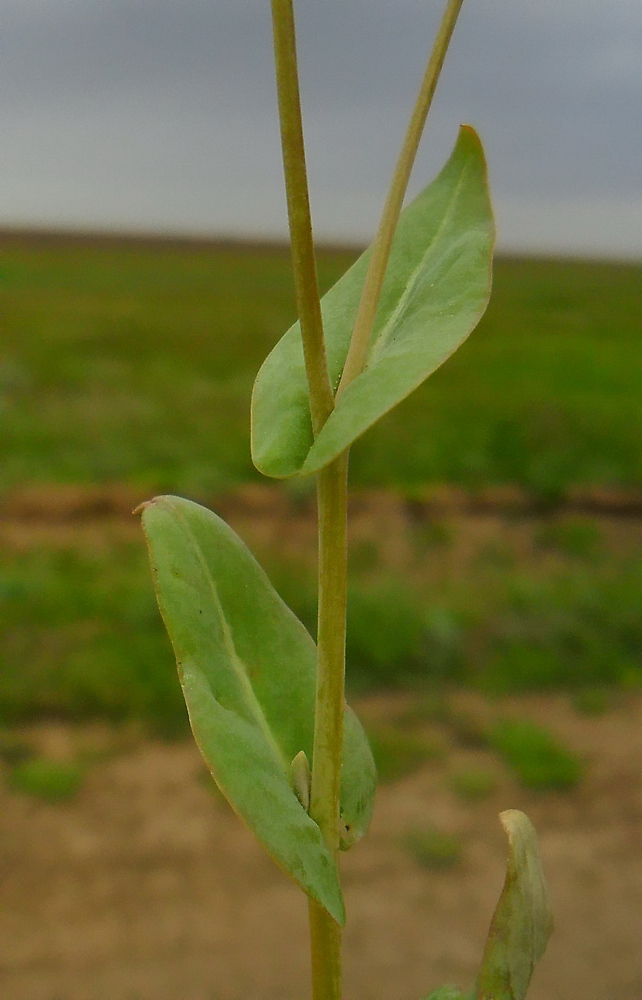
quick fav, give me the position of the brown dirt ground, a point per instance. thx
(280, 525)
(146, 887)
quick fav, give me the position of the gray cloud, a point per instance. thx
(161, 114)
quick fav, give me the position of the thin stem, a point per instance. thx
(332, 495)
(325, 933)
(332, 499)
(296, 184)
(325, 948)
(373, 284)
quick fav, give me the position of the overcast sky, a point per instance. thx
(161, 114)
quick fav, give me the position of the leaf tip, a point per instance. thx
(469, 137)
(142, 507)
(512, 819)
(470, 131)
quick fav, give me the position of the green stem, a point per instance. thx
(325, 948)
(332, 499)
(325, 933)
(332, 494)
(373, 284)
(296, 184)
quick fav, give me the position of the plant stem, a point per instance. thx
(296, 184)
(332, 495)
(325, 933)
(373, 284)
(325, 950)
(332, 502)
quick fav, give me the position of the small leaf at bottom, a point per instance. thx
(522, 922)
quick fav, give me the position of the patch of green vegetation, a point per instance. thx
(45, 779)
(124, 363)
(499, 555)
(473, 784)
(571, 630)
(541, 410)
(395, 637)
(14, 749)
(432, 848)
(579, 537)
(386, 633)
(538, 760)
(433, 534)
(398, 753)
(82, 637)
(592, 701)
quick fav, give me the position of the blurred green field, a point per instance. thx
(135, 364)
(81, 636)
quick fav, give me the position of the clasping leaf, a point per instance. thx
(248, 671)
(436, 289)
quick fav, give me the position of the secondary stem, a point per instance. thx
(296, 184)
(373, 284)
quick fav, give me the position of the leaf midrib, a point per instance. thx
(380, 342)
(228, 641)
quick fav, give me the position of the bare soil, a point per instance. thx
(282, 525)
(146, 886)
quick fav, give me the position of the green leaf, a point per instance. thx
(522, 922)
(436, 289)
(448, 993)
(248, 671)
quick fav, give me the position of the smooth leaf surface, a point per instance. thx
(248, 671)
(522, 922)
(436, 289)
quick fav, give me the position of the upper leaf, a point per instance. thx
(248, 671)
(436, 289)
(522, 922)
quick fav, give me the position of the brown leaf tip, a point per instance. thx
(143, 506)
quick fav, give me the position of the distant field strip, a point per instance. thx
(134, 364)
(497, 598)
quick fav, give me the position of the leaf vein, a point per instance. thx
(228, 640)
(381, 341)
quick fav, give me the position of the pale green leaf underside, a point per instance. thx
(522, 922)
(247, 667)
(436, 288)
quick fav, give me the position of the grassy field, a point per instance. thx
(513, 610)
(134, 365)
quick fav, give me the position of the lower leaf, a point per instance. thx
(248, 671)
